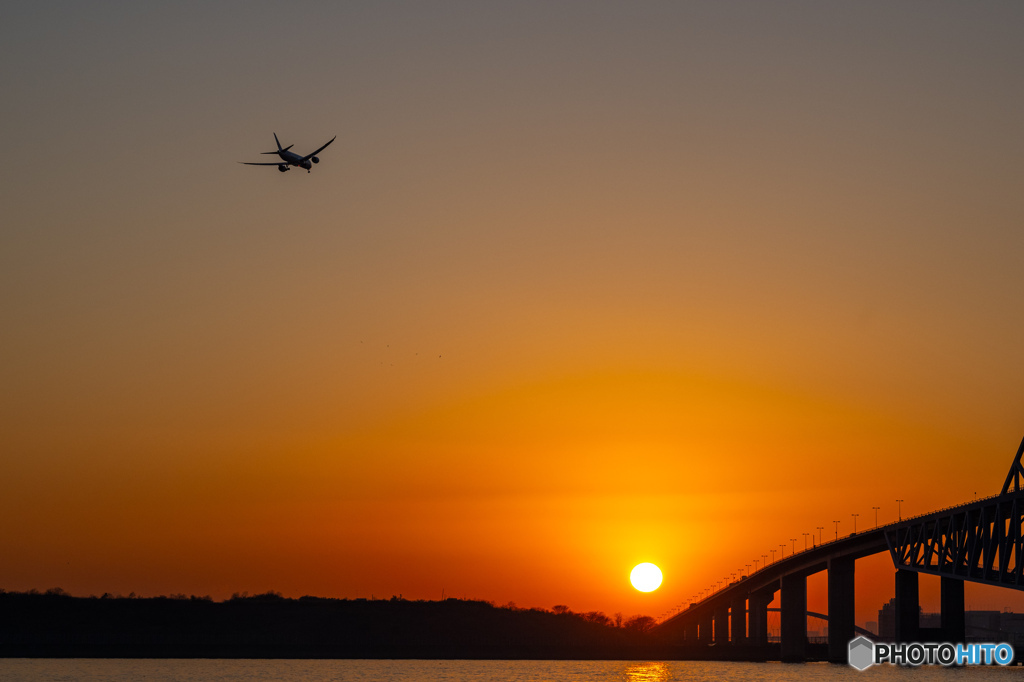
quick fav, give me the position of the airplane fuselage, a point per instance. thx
(293, 159)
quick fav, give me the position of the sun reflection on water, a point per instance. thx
(647, 672)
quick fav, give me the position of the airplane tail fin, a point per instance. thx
(279, 147)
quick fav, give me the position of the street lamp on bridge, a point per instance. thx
(899, 509)
(820, 528)
(837, 529)
(793, 540)
(773, 556)
(876, 515)
(755, 565)
(805, 540)
(782, 551)
(854, 522)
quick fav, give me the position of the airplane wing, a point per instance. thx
(276, 163)
(309, 156)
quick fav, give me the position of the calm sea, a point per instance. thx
(196, 670)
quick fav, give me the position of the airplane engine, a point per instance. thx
(315, 160)
(307, 165)
(282, 168)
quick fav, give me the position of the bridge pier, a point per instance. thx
(759, 602)
(704, 629)
(908, 607)
(954, 624)
(722, 624)
(794, 618)
(738, 621)
(841, 608)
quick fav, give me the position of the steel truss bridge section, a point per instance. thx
(980, 541)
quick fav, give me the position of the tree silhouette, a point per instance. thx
(639, 623)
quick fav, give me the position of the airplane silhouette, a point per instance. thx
(290, 159)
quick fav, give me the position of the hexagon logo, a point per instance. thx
(862, 653)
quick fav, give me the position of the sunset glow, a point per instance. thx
(578, 284)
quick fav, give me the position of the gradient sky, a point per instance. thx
(579, 285)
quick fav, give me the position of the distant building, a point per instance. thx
(886, 625)
(983, 622)
(982, 626)
(887, 620)
(996, 626)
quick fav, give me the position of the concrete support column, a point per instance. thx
(794, 618)
(908, 607)
(704, 629)
(759, 602)
(721, 624)
(954, 622)
(738, 621)
(841, 612)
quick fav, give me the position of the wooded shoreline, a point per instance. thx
(55, 624)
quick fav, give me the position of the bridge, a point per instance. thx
(979, 541)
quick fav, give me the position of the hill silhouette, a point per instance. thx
(55, 624)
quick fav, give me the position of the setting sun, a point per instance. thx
(645, 577)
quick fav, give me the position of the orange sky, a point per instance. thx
(577, 287)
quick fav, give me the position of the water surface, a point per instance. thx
(234, 670)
